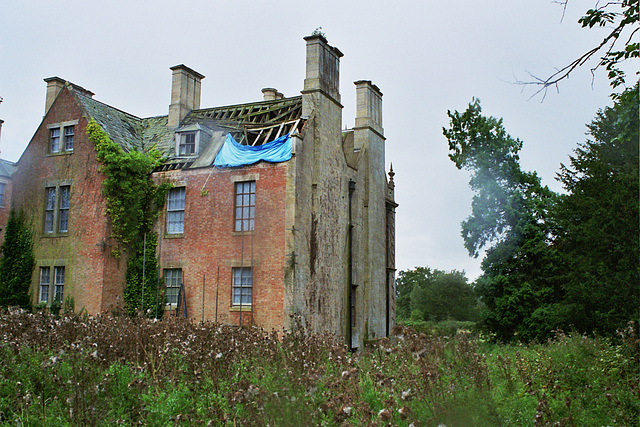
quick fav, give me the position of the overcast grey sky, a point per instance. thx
(426, 57)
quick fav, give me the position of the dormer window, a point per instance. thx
(188, 141)
(187, 145)
(191, 140)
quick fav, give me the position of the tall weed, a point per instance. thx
(123, 370)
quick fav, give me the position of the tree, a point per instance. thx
(405, 284)
(568, 261)
(597, 222)
(435, 295)
(509, 220)
(616, 47)
(450, 296)
(17, 262)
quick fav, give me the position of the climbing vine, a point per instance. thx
(133, 205)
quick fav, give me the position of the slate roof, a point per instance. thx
(250, 124)
(123, 128)
(7, 168)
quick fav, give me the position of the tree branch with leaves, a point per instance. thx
(618, 45)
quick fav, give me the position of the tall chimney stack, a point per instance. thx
(54, 86)
(185, 93)
(368, 106)
(323, 69)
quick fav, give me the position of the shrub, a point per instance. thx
(80, 370)
(17, 262)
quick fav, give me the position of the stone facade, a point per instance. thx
(312, 237)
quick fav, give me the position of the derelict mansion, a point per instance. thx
(275, 212)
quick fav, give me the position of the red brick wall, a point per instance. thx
(209, 247)
(4, 209)
(209, 242)
(93, 277)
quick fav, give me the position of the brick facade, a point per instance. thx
(321, 245)
(93, 278)
(209, 247)
(6, 189)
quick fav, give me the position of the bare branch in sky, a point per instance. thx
(626, 16)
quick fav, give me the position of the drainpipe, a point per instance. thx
(352, 188)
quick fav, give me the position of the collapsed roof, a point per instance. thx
(252, 124)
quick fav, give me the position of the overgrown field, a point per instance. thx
(122, 370)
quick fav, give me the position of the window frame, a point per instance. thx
(64, 202)
(176, 210)
(54, 140)
(244, 206)
(187, 140)
(50, 198)
(3, 193)
(61, 137)
(45, 287)
(58, 283)
(238, 294)
(69, 137)
(173, 277)
(57, 208)
(182, 142)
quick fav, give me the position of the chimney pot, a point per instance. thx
(269, 94)
(368, 106)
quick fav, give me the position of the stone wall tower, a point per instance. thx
(369, 140)
(318, 290)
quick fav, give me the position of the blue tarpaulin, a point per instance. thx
(233, 154)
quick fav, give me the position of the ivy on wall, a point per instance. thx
(133, 205)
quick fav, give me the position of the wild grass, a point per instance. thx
(123, 370)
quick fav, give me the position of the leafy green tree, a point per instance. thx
(417, 302)
(405, 284)
(597, 222)
(509, 221)
(450, 296)
(17, 262)
(551, 261)
(435, 295)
